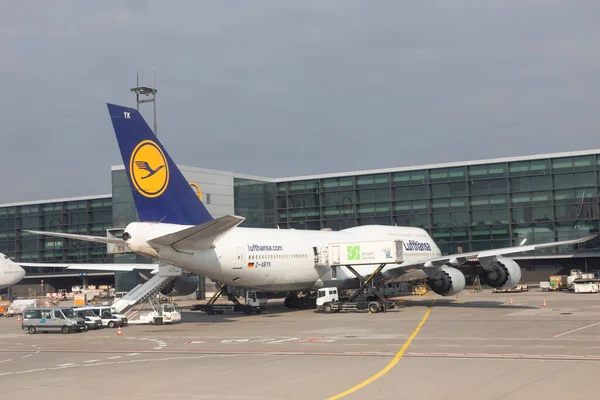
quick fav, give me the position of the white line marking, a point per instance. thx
(91, 361)
(5, 373)
(550, 346)
(114, 358)
(100, 363)
(30, 370)
(65, 365)
(283, 340)
(496, 345)
(157, 348)
(28, 355)
(5, 360)
(133, 354)
(575, 330)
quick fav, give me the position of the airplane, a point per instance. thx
(12, 272)
(176, 228)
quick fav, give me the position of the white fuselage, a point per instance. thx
(283, 259)
(10, 273)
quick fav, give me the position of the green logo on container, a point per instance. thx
(353, 252)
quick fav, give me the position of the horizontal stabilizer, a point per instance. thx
(87, 238)
(94, 267)
(199, 237)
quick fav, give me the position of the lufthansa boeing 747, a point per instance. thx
(176, 228)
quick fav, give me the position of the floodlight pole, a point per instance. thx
(146, 91)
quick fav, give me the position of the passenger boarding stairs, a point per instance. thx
(141, 293)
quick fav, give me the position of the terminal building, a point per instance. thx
(465, 206)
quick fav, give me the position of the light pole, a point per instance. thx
(146, 91)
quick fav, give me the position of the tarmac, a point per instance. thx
(479, 347)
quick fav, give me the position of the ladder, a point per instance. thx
(141, 292)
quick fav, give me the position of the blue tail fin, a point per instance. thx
(160, 191)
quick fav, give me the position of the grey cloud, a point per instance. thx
(282, 88)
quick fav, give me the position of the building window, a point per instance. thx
(574, 180)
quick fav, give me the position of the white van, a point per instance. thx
(47, 319)
(92, 321)
(106, 314)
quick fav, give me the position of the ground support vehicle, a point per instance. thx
(328, 299)
(47, 319)
(162, 313)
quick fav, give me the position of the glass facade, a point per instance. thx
(254, 200)
(123, 213)
(464, 208)
(123, 206)
(82, 216)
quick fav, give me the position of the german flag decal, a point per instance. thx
(250, 265)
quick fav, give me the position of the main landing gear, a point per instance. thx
(301, 300)
(254, 303)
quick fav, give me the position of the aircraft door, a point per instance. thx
(335, 254)
(240, 257)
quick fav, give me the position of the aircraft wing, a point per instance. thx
(414, 270)
(95, 267)
(461, 258)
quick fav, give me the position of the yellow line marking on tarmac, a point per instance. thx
(392, 363)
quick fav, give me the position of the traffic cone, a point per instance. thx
(544, 303)
(457, 299)
(119, 333)
(511, 301)
(19, 318)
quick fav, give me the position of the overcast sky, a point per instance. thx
(281, 88)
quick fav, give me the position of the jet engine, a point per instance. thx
(448, 281)
(181, 286)
(501, 273)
